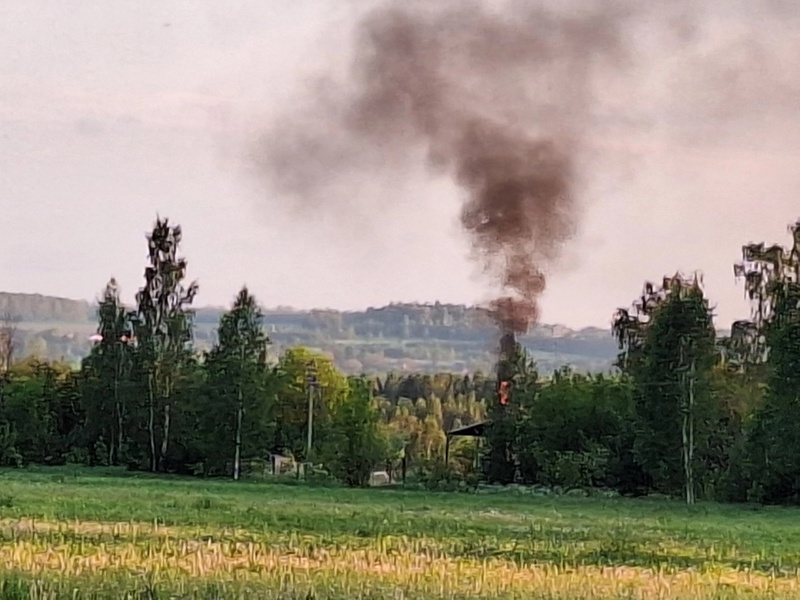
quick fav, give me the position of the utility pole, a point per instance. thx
(687, 430)
(312, 383)
(690, 461)
(237, 459)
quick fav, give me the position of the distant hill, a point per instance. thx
(36, 307)
(412, 337)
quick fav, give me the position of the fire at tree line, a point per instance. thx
(685, 413)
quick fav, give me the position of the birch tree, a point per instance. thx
(668, 349)
(771, 276)
(163, 329)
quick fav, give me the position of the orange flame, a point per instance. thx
(504, 389)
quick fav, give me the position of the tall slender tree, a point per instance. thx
(163, 328)
(668, 345)
(107, 367)
(238, 379)
(772, 283)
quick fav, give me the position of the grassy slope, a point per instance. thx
(246, 538)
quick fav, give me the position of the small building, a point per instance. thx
(281, 464)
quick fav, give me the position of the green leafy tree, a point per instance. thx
(356, 443)
(772, 283)
(9, 454)
(583, 423)
(163, 328)
(741, 397)
(669, 349)
(777, 434)
(306, 378)
(106, 371)
(238, 379)
(43, 410)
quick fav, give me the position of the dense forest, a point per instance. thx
(410, 338)
(685, 412)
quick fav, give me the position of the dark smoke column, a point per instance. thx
(518, 210)
(495, 99)
(519, 198)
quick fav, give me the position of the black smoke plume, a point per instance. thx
(495, 99)
(518, 102)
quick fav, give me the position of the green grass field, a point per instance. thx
(85, 534)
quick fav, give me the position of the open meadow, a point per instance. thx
(108, 535)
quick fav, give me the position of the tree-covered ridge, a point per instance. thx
(32, 308)
(408, 337)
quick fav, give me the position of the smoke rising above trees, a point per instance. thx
(510, 101)
(460, 86)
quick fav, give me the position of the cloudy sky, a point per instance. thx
(113, 111)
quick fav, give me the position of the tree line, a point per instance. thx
(143, 398)
(684, 413)
(409, 337)
(687, 414)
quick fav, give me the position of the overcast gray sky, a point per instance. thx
(113, 111)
